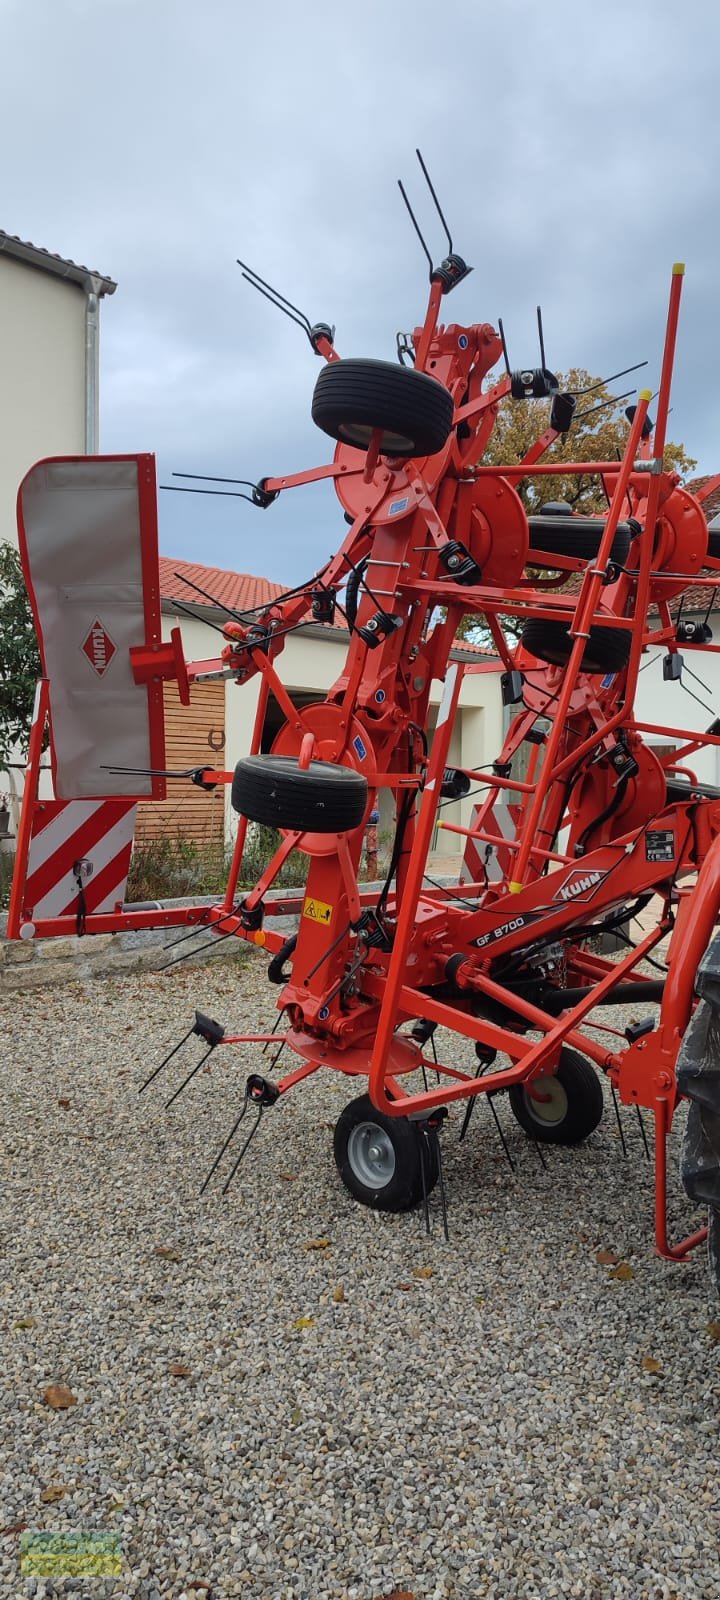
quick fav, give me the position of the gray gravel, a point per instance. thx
(490, 1429)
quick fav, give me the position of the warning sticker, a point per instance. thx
(317, 910)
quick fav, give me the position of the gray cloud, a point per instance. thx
(575, 149)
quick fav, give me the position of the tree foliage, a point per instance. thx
(19, 656)
(599, 435)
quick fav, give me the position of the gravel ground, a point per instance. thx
(500, 1416)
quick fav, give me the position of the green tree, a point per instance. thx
(599, 433)
(19, 656)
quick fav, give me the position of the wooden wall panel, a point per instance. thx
(192, 737)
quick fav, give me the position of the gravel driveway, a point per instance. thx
(500, 1416)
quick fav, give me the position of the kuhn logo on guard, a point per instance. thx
(98, 647)
(579, 886)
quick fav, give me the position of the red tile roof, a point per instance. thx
(240, 591)
(234, 591)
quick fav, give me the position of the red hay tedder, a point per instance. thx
(599, 827)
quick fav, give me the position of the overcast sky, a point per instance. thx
(575, 148)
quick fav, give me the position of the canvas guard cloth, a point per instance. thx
(80, 536)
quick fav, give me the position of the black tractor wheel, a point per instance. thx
(320, 798)
(571, 1103)
(606, 650)
(555, 531)
(354, 398)
(380, 1158)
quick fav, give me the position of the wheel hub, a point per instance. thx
(371, 1155)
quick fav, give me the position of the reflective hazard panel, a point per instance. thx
(317, 910)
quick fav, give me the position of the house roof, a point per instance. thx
(230, 591)
(241, 591)
(34, 255)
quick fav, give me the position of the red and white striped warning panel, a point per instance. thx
(78, 845)
(483, 861)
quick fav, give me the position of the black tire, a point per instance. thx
(606, 650)
(321, 798)
(555, 531)
(379, 1158)
(713, 549)
(574, 1110)
(414, 411)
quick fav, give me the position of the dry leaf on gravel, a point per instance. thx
(607, 1258)
(167, 1253)
(650, 1364)
(13, 1527)
(25, 1322)
(54, 1491)
(316, 1244)
(59, 1396)
(338, 1294)
(423, 1272)
(64, 1103)
(178, 1369)
(624, 1272)
(304, 1322)
(713, 1329)
(405, 1287)
(289, 1177)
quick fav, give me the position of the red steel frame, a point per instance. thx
(348, 997)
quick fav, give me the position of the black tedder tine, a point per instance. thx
(164, 1063)
(246, 1145)
(190, 1076)
(503, 1140)
(618, 1119)
(641, 1125)
(228, 1141)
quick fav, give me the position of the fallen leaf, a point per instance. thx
(338, 1294)
(25, 1322)
(405, 1287)
(295, 1417)
(178, 1369)
(713, 1329)
(304, 1322)
(607, 1258)
(54, 1491)
(316, 1244)
(479, 1300)
(115, 1505)
(59, 1396)
(289, 1177)
(64, 1103)
(651, 1365)
(167, 1253)
(398, 1594)
(13, 1527)
(423, 1272)
(624, 1272)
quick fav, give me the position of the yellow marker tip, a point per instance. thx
(515, 887)
(645, 394)
(678, 270)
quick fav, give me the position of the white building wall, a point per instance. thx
(42, 375)
(668, 704)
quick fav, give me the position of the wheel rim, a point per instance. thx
(358, 434)
(552, 1110)
(371, 1155)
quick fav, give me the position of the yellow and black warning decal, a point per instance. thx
(317, 910)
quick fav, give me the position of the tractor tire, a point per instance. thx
(354, 398)
(320, 798)
(574, 1108)
(555, 531)
(606, 650)
(380, 1159)
(698, 1078)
